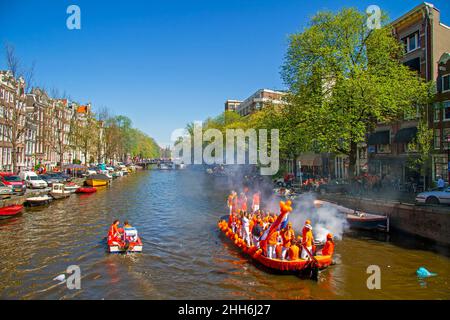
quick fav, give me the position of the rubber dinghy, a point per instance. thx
(288, 266)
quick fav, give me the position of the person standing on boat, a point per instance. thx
(256, 200)
(288, 236)
(272, 242)
(243, 202)
(246, 228)
(257, 232)
(328, 248)
(231, 201)
(307, 243)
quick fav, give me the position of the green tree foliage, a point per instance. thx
(344, 79)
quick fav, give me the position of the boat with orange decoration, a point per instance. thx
(310, 266)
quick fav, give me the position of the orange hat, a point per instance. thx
(330, 236)
(308, 221)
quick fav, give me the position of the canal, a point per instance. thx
(184, 255)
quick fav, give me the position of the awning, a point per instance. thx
(405, 135)
(380, 137)
(310, 160)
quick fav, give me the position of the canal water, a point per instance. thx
(184, 255)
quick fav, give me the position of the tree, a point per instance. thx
(16, 114)
(344, 79)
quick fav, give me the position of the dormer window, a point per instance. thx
(411, 42)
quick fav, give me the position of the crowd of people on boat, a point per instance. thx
(252, 225)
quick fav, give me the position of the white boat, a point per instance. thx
(71, 188)
(59, 192)
(38, 201)
(163, 167)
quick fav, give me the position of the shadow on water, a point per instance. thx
(401, 240)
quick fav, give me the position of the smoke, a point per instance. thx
(325, 217)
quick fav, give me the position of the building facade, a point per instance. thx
(232, 105)
(390, 154)
(259, 100)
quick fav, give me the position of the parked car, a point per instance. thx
(434, 196)
(49, 179)
(14, 182)
(33, 180)
(65, 177)
(56, 176)
(5, 191)
(334, 186)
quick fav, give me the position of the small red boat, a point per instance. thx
(10, 211)
(129, 241)
(86, 190)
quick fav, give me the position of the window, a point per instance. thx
(383, 148)
(445, 138)
(437, 138)
(411, 42)
(446, 83)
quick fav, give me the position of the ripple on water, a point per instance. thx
(184, 255)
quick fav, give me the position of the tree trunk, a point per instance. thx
(352, 160)
(14, 158)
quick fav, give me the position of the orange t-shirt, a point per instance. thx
(308, 239)
(293, 252)
(328, 248)
(287, 238)
(272, 240)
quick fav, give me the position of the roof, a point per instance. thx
(413, 11)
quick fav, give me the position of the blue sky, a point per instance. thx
(168, 62)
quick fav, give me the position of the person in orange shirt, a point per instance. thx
(256, 200)
(307, 242)
(230, 201)
(294, 251)
(328, 248)
(272, 242)
(288, 236)
(114, 233)
(305, 229)
(242, 202)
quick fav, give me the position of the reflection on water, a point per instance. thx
(184, 254)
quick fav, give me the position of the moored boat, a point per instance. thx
(97, 180)
(86, 190)
(367, 221)
(71, 187)
(10, 211)
(58, 191)
(283, 266)
(38, 201)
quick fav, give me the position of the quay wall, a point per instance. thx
(432, 223)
